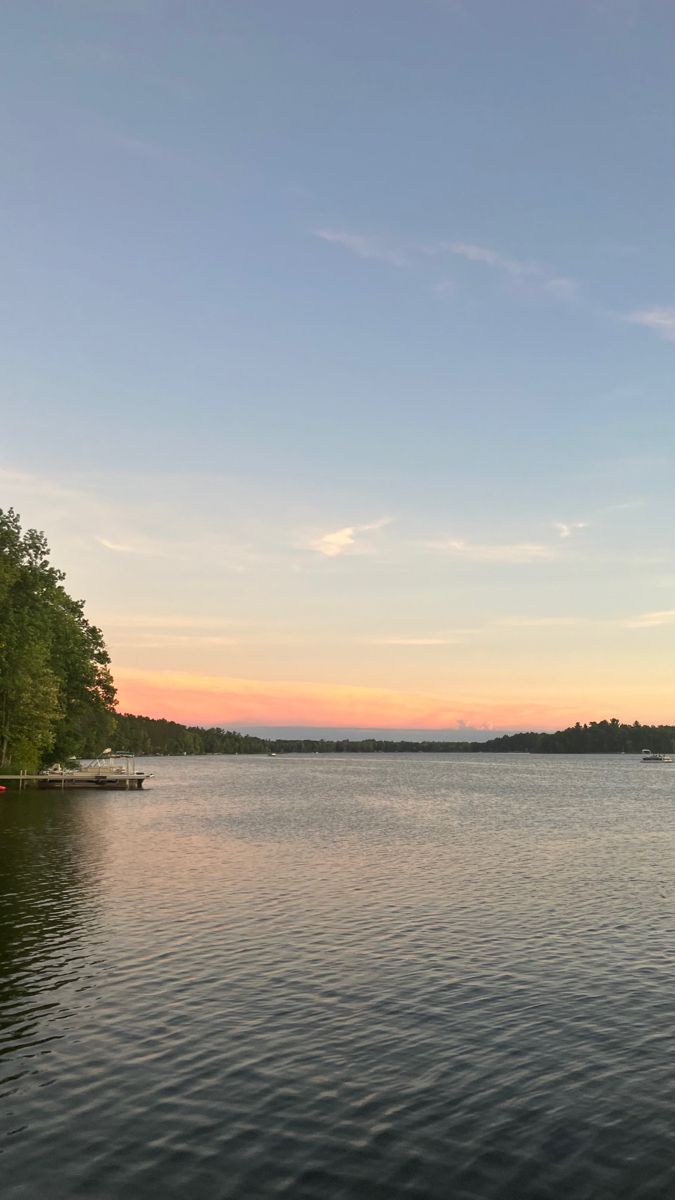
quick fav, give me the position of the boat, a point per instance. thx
(112, 769)
(653, 756)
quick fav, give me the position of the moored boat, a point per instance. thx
(653, 756)
(112, 769)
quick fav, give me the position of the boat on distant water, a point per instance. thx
(653, 756)
(112, 769)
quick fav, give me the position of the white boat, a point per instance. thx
(112, 769)
(652, 756)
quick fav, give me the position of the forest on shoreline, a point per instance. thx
(58, 699)
(145, 735)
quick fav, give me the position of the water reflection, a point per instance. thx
(49, 906)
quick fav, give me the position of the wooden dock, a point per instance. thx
(68, 780)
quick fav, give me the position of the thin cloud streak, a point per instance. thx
(559, 286)
(659, 320)
(364, 246)
(489, 258)
(623, 506)
(144, 549)
(651, 620)
(118, 547)
(378, 249)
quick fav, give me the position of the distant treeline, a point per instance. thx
(597, 737)
(145, 735)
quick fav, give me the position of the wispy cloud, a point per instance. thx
(399, 253)
(365, 246)
(518, 270)
(521, 272)
(660, 320)
(118, 547)
(567, 528)
(145, 549)
(489, 258)
(339, 540)
(495, 552)
(624, 506)
(649, 620)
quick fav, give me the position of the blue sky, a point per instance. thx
(339, 346)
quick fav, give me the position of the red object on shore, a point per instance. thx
(2, 789)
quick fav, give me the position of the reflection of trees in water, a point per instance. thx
(49, 870)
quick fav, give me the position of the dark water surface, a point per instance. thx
(378, 977)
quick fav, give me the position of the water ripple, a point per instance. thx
(385, 978)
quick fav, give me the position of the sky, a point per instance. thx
(337, 351)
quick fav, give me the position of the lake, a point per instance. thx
(377, 977)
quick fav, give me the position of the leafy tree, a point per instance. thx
(56, 691)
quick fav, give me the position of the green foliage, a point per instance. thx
(366, 746)
(597, 737)
(56, 691)
(146, 735)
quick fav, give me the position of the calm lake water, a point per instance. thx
(371, 977)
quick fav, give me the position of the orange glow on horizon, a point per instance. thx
(214, 700)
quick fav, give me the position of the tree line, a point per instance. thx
(596, 737)
(144, 735)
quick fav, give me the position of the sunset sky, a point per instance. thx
(338, 351)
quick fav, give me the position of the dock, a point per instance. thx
(67, 780)
(112, 769)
